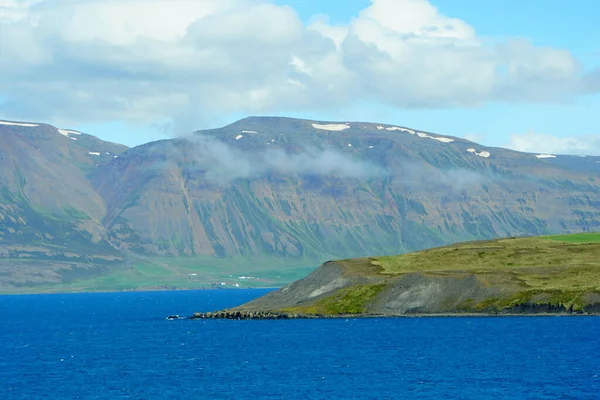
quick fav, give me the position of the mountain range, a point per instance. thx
(266, 196)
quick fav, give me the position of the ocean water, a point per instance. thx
(119, 346)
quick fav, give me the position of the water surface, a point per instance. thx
(119, 345)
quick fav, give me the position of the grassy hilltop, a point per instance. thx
(512, 275)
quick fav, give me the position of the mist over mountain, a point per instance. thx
(295, 191)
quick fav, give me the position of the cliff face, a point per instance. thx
(490, 277)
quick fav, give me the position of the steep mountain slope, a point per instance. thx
(265, 194)
(294, 188)
(50, 214)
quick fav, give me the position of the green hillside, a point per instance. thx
(554, 274)
(560, 262)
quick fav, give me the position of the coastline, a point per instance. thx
(273, 315)
(140, 289)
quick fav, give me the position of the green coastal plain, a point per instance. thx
(546, 274)
(181, 273)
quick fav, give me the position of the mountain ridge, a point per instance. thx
(271, 193)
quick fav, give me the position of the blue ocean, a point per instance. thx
(120, 346)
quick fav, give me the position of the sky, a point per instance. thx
(518, 74)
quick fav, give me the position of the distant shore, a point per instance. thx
(140, 289)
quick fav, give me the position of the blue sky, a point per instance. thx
(546, 23)
(123, 86)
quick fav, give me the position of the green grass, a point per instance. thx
(568, 299)
(557, 265)
(177, 273)
(269, 271)
(578, 238)
(116, 281)
(561, 271)
(549, 263)
(351, 300)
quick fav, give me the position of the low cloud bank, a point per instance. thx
(224, 163)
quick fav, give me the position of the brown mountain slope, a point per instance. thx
(267, 193)
(50, 215)
(285, 188)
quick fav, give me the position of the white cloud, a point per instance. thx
(125, 22)
(416, 20)
(144, 61)
(223, 163)
(301, 66)
(337, 34)
(14, 10)
(532, 142)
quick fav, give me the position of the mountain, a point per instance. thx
(270, 197)
(550, 274)
(50, 215)
(282, 187)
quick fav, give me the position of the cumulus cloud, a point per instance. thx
(532, 142)
(144, 61)
(223, 163)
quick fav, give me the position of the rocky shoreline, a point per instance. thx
(239, 315)
(513, 312)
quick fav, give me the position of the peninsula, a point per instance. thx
(530, 275)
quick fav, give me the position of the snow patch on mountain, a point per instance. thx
(331, 127)
(438, 138)
(443, 139)
(419, 134)
(67, 132)
(484, 154)
(397, 128)
(18, 124)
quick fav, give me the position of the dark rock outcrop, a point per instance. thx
(239, 315)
